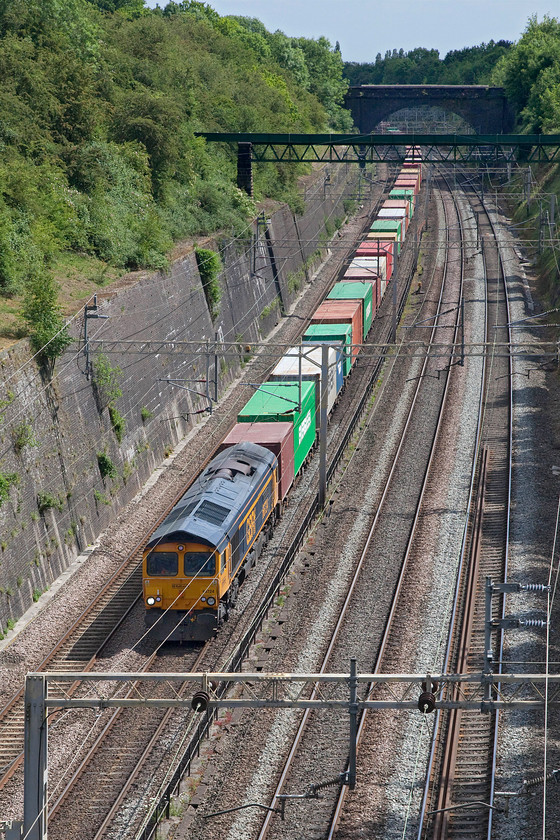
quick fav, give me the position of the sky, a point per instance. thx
(366, 27)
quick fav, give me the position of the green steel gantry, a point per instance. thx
(383, 148)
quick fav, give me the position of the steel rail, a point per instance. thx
(99, 741)
(12, 715)
(356, 575)
(462, 561)
(441, 825)
(342, 794)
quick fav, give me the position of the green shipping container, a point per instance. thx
(335, 333)
(402, 192)
(278, 403)
(356, 291)
(388, 226)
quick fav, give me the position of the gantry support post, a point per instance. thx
(353, 712)
(323, 429)
(244, 167)
(35, 759)
(395, 293)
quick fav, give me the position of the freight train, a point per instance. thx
(196, 560)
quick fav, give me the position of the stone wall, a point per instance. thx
(53, 432)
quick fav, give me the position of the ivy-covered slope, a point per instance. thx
(99, 103)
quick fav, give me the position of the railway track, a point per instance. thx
(292, 779)
(361, 384)
(77, 650)
(460, 791)
(126, 757)
(491, 538)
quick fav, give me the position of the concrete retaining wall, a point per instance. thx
(51, 433)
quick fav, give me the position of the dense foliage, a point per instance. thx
(100, 102)
(469, 66)
(48, 333)
(530, 73)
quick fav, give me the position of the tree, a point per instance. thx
(519, 71)
(131, 8)
(325, 79)
(48, 333)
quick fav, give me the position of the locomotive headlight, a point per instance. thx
(150, 601)
(210, 601)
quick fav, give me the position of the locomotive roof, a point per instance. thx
(209, 509)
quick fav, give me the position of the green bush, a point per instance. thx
(101, 498)
(23, 436)
(7, 480)
(145, 414)
(209, 267)
(106, 466)
(46, 501)
(117, 422)
(48, 334)
(106, 381)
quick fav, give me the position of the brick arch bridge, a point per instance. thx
(484, 108)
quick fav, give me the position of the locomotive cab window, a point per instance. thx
(164, 563)
(199, 563)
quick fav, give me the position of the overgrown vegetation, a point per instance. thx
(41, 312)
(469, 66)
(530, 74)
(117, 422)
(107, 387)
(100, 104)
(209, 267)
(106, 466)
(4, 403)
(46, 501)
(106, 381)
(101, 498)
(23, 436)
(7, 480)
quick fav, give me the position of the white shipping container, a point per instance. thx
(287, 370)
(393, 213)
(383, 287)
(377, 265)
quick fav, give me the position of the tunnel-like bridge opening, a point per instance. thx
(424, 119)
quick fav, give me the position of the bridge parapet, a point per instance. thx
(483, 107)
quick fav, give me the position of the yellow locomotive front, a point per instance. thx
(188, 580)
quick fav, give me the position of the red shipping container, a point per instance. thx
(342, 312)
(378, 248)
(407, 184)
(411, 171)
(277, 437)
(353, 275)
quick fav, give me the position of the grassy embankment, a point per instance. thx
(101, 171)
